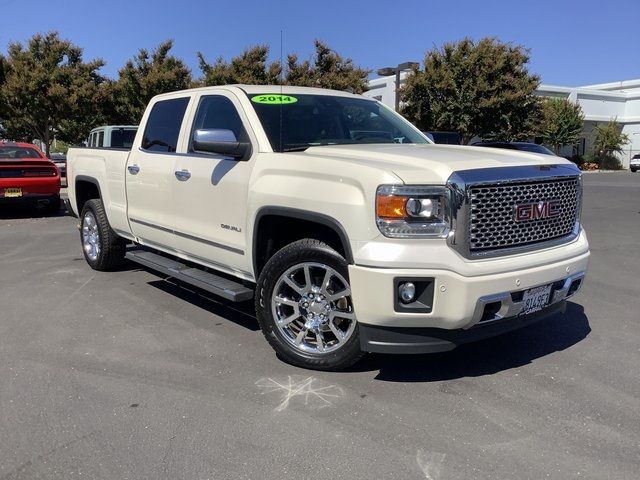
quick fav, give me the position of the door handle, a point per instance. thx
(183, 175)
(133, 169)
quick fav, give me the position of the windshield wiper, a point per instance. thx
(296, 149)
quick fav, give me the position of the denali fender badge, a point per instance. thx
(231, 227)
(537, 211)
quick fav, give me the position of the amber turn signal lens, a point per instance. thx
(391, 206)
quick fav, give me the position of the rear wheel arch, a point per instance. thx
(86, 188)
(269, 235)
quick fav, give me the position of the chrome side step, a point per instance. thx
(197, 277)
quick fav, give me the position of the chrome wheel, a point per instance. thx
(312, 308)
(90, 236)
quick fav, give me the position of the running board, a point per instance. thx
(197, 277)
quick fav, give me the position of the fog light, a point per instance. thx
(407, 292)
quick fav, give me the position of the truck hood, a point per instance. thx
(431, 163)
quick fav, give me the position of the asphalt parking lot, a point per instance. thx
(125, 375)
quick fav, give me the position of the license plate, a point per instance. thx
(12, 192)
(535, 299)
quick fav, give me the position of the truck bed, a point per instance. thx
(105, 168)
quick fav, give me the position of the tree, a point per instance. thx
(48, 90)
(2, 69)
(251, 67)
(326, 70)
(145, 76)
(608, 144)
(481, 89)
(562, 122)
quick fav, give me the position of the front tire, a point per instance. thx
(304, 307)
(103, 249)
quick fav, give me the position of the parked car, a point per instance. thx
(522, 146)
(112, 136)
(446, 138)
(634, 164)
(28, 176)
(60, 159)
(351, 231)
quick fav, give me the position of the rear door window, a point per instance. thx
(163, 125)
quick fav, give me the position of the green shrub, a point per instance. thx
(609, 162)
(577, 159)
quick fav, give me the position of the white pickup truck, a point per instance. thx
(353, 231)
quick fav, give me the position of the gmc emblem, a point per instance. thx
(537, 211)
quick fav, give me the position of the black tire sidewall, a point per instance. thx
(90, 207)
(111, 246)
(306, 250)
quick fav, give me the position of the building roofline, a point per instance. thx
(622, 84)
(584, 91)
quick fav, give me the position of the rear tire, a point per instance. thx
(304, 307)
(103, 249)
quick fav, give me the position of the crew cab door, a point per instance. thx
(150, 178)
(211, 190)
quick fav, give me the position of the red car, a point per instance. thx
(27, 175)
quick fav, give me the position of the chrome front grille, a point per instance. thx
(483, 209)
(492, 224)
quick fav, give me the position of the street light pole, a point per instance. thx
(388, 71)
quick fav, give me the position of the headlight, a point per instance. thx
(413, 211)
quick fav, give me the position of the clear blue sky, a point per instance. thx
(572, 42)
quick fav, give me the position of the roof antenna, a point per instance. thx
(281, 91)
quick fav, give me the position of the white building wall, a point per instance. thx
(383, 89)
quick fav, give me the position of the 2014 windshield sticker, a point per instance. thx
(272, 99)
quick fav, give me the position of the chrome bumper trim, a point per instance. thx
(510, 308)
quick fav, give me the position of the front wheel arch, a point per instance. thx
(267, 240)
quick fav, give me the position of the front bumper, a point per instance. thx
(455, 298)
(431, 340)
(463, 308)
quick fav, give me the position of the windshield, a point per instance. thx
(122, 138)
(532, 147)
(18, 152)
(302, 121)
(524, 147)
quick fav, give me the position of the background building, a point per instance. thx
(601, 103)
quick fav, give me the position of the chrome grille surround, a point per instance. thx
(483, 203)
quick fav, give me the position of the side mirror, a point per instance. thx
(222, 142)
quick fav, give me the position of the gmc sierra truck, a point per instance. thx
(351, 230)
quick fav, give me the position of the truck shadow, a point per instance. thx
(242, 314)
(486, 357)
(23, 212)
